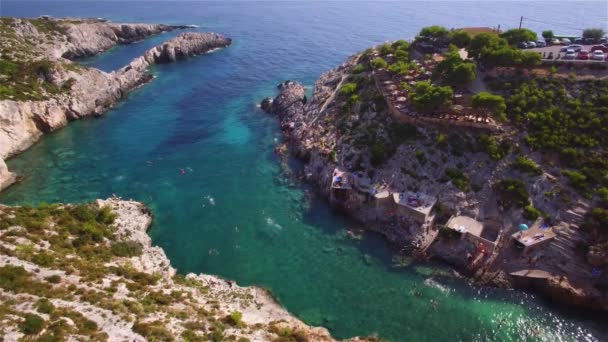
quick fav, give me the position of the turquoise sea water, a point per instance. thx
(235, 212)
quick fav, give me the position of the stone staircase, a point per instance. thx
(564, 246)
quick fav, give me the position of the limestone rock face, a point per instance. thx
(91, 91)
(6, 177)
(186, 45)
(291, 99)
(89, 39)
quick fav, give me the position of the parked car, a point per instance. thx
(583, 55)
(570, 54)
(598, 55)
(555, 41)
(531, 45)
(604, 40)
(541, 43)
(522, 45)
(574, 47)
(565, 41)
(579, 40)
(602, 48)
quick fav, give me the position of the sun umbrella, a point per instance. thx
(523, 226)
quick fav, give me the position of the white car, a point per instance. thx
(570, 54)
(598, 55)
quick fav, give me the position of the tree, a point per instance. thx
(455, 71)
(438, 35)
(548, 34)
(462, 74)
(400, 45)
(385, 49)
(508, 56)
(428, 98)
(489, 103)
(379, 63)
(593, 33)
(459, 38)
(484, 40)
(515, 36)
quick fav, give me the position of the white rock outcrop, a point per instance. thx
(91, 91)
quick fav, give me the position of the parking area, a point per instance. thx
(555, 49)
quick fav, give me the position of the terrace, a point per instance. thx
(533, 238)
(415, 205)
(391, 86)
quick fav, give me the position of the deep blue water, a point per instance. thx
(200, 115)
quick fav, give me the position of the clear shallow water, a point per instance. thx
(233, 212)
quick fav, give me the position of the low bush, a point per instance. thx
(531, 213)
(153, 331)
(527, 165)
(43, 305)
(512, 192)
(458, 178)
(127, 248)
(32, 324)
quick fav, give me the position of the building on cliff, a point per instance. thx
(416, 206)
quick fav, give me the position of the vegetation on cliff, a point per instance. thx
(25, 73)
(79, 270)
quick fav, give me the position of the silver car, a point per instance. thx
(598, 55)
(570, 54)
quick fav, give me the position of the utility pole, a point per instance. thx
(520, 21)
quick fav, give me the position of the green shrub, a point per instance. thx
(379, 63)
(459, 179)
(378, 154)
(531, 213)
(359, 68)
(493, 147)
(512, 192)
(348, 88)
(190, 336)
(158, 298)
(527, 165)
(43, 305)
(43, 259)
(153, 331)
(13, 278)
(105, 216)
(577, 179)
(32, 325)
(127, 248)
(54, 279)
(235, 319)
(428, 98)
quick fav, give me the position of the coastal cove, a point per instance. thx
(194, 147)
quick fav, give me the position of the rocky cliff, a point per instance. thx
(74, 91)
(348, 124)
(90, 271)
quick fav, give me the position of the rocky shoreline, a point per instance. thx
(310, 134)
(89, 91)
(260, 317)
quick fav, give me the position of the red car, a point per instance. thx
(583, 55)
(600, 47)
